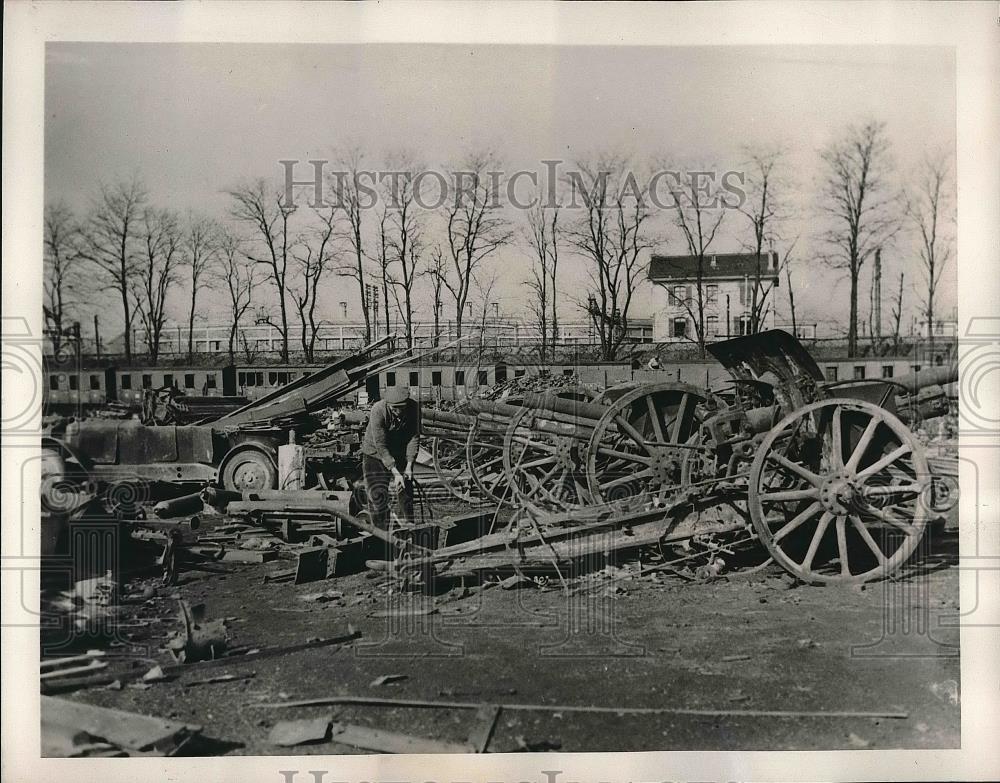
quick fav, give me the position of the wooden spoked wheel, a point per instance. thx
(450, 465)
(545, 468)
(839, 492)
(640, 445)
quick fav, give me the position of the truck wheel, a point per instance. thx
(248, 470)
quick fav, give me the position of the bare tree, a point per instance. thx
(407, 241)
(699, 210)
(353, 201)
(485, 290)
(319, 252)
(108, 238)
(897, 316)
(239, 275)
(857, 195)
(929, 210)
(158, 270)
(612, 235)
(61, 259)
(436, 270)
(786, 266)
(476, 227)
(200, 253)
(543, 238)
(262, 208)
(383, 257)
(764, 208)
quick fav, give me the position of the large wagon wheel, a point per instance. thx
(639, 447)
(450, 465)
(484, 449)
(839, 492)
(544, 468)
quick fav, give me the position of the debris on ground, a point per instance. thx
(288, 733)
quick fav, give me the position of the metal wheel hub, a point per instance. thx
(665, 462)
(839, 492)
(250, 474)
(565, 455)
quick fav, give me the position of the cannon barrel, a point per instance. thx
(932, 376)
(575, 408)
(434, 416)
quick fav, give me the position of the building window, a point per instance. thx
(147, 381)
(436, 378)
(414, 379)
(568, 371)
(680, 327)
(390, 379)
(272, 379)
(712, 326)
(519, 373)
(916, 368)
(859, 372)
(168, 379)
(743, 325)
(210, 381)
(831, 373)
(241, 379)
(886, 370)
(483, 378)
(54, 382)
(216, 345)
(711, 294)
(939, 328)
(95, 382)
(679, 294)
(74, 383)
(460, 377)
(126, 380)
(189, 380)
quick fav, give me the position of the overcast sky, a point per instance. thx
(195, 118)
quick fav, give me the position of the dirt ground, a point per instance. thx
(740, 644)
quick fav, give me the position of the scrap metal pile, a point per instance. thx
(827, 478)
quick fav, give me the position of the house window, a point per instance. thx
(680, 327)
(679, 294)
(859, 372)
(711, 294)
(436, 378)
(126, 380)
(282, 378)
(241, 379)
(147, 381)
(210, 381)
(189, 380)
(711, 326)
(74, 383)
(168, 379)
(519, 373)
(390, 379)
(460, 377)
(95, 382)
(831, 373)
(886, 370)
(54, 382)
(483, 378)
(915, 367)
(743, 325)
(215, 345)
(414, 379)
(259, 377)
(272, 379)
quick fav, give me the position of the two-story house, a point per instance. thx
(727, 294)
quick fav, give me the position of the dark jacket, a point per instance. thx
(394, 440)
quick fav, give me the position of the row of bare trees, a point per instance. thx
(392, 247)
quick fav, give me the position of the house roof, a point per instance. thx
(722, 265)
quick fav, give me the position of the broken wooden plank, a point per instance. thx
(482, 729)
(51, 663)
(129, 730)
(382, 741)
(249, 555)
(93, 666)
(288, 733)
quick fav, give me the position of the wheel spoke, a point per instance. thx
(623, 455)
(632, 432)
(797, 521)
(784, 496)
(794, 467)
(537, 463)
(867, 537)
(883, 463)
(863, 443)
(647, 473)
(845, 569)
(675, 436)
(882, 516)
(655, 418)
(837, 439)
(882, 490)
(824, 522)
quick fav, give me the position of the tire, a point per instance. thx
(248, 469)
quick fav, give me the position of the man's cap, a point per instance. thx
(396, 395)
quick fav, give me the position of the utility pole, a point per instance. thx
(97, 337)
